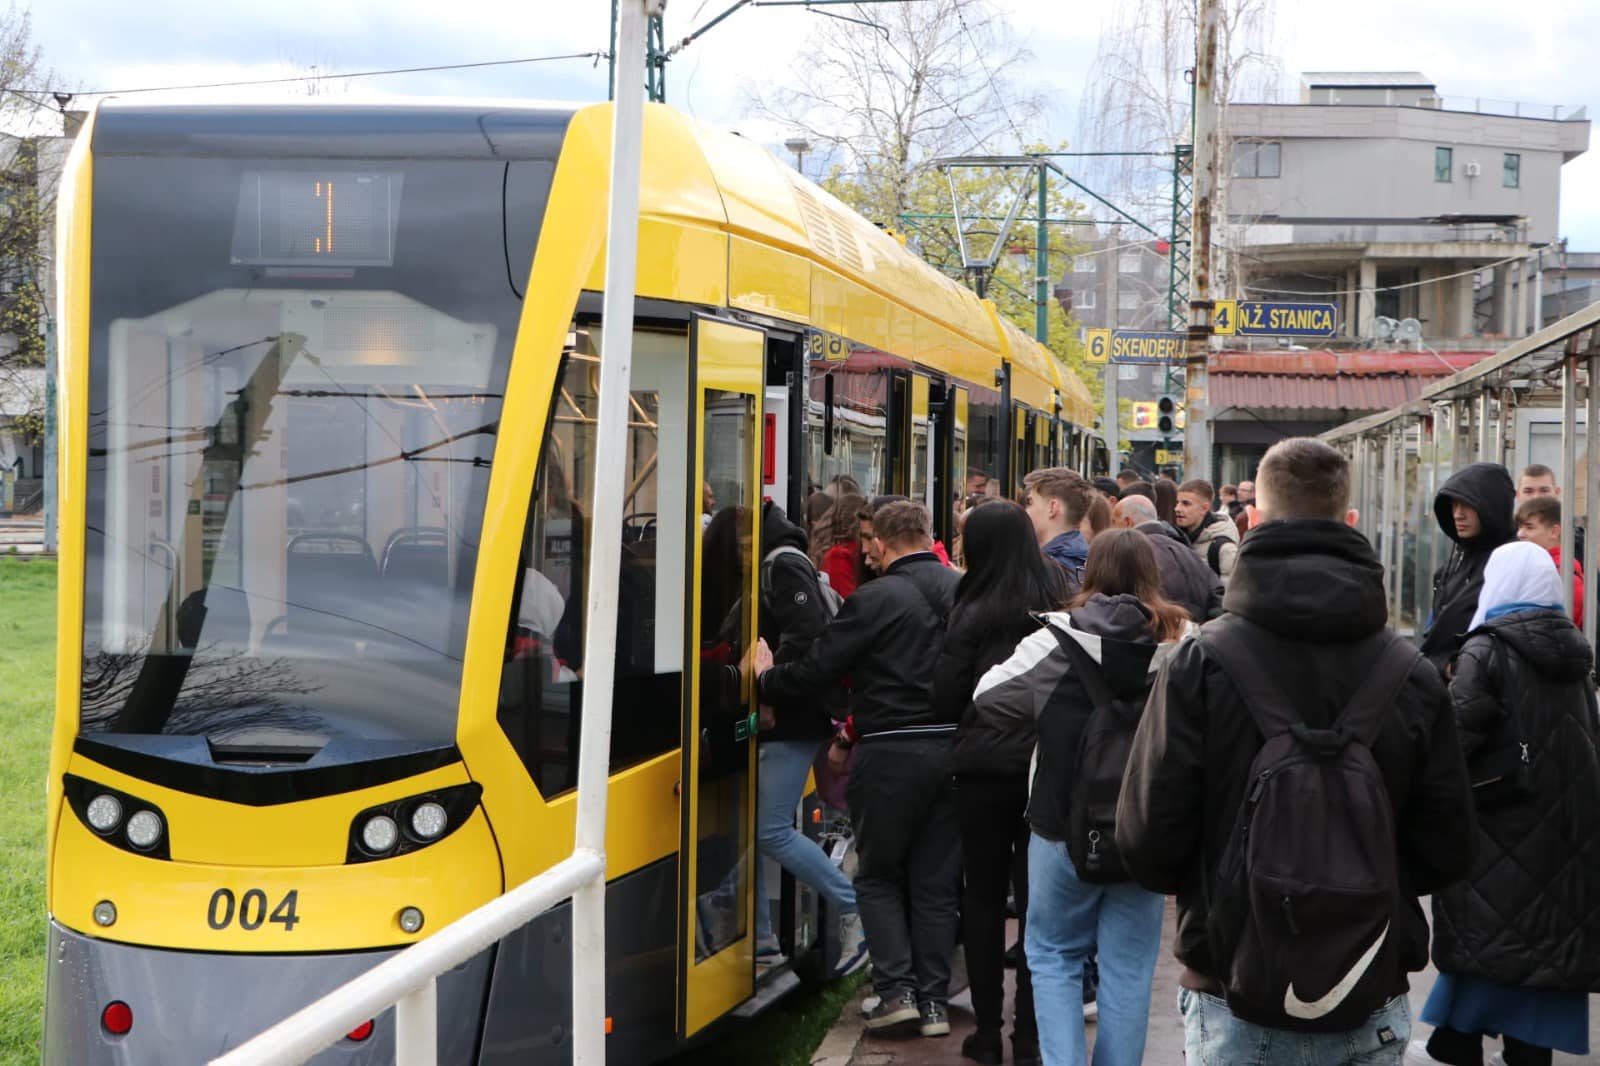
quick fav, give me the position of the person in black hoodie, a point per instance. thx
(1518, 942)
(792, 616)
(1476, 509)
(1185, 578)
(886, 639)
(1307, 596)
(1121, 624)
(1007, 580)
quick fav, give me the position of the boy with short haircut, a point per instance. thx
(1057, 499)
(1306, 643)
(1212, 534)
(1539, 522)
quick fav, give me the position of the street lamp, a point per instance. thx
(799, 146)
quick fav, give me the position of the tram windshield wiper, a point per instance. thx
(263, 747)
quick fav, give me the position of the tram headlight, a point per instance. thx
(429, 820)
(144, 829)
(104, 813)
(410, 919)
(380, 834)
(105, 913)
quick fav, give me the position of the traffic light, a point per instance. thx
(1166, 415)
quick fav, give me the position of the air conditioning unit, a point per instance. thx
(1472, 169)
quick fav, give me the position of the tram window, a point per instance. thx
(541, 692)
(983, 456)
(859, 414)
(921, 436)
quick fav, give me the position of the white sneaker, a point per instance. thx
(1091, 1011)
(852, 946)
(1417, 1054)
(870, 1004)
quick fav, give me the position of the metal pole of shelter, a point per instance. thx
(1041, 252)
(605, 530)
(1197, 434)
(1569, 448)
(1591, 542)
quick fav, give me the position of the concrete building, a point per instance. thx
(1377, 193)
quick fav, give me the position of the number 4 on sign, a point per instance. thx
(1225, 318)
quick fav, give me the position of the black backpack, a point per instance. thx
(1300, 910)
(1102, 760)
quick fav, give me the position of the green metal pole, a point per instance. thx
(1041, 281)
(611, 57)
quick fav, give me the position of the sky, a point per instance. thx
(1469, 48)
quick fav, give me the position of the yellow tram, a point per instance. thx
(328, 382)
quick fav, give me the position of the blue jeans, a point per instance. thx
(782, 766)
(1067, 919)
(1213, 1036)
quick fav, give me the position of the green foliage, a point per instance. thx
(27, 673)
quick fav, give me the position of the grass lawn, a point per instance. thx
(27, 672)
(784, 1035)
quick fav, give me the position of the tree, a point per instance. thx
(897, 87)
(1137, 96)
(29, 168)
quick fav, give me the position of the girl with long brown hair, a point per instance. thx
(1103, 651)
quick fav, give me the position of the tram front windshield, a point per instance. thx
(296, 376)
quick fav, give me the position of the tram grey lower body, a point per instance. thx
(511, 1004)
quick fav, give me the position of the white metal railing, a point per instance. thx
(408, 980)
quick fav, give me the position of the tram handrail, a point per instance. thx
(407, 980)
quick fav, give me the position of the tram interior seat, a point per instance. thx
(327, 572)
(419, 555)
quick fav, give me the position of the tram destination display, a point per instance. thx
(336, 218)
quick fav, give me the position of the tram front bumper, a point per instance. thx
(189, 1006)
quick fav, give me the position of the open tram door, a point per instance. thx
(716, 857)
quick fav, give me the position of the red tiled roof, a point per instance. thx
(1337, 381)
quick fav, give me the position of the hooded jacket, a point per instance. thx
(1313, 591)
(1071, 551)
(1185, 578)
(1037, 684)
(1217, 529)
(1528, 914)
(792, 616)
(1487, 489)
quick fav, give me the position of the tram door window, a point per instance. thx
(541, 692)
(847, 423)
(717, 845)
(922, 437)
(1021, 461)
(987, 436)
(954, 486)
(900, 435)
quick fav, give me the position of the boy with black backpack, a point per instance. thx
(1297, 783)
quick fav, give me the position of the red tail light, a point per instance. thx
(360, 1032)
(117, 1017)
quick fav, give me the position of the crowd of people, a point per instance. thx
(1126, 690)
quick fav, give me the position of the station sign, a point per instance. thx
(1263, 318)
(1125, 346)
(1166, 458)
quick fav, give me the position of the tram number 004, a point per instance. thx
(250, 910)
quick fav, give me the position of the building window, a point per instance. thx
(1083, 300)
(1511, 171)
(1443, 164)
(1128, 263)
(1085, 264)
(1257, 159)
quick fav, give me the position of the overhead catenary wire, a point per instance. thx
(24, 93)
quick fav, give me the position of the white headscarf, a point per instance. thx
(1519, 572)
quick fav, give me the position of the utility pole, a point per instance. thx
(1197, 435)
(1041, 249)
(1112, 425)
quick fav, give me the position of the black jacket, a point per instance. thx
(1529, 912)
(1488, 489)
(1186, 580)
(984, 744)
(792, 617)
(1317, 589)
(886, 640)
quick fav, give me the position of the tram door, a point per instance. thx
(716, 922)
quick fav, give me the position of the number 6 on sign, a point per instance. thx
(1099, 346)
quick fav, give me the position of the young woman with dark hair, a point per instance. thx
(1006, 583)
(1120, 627)
(1166, 497)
